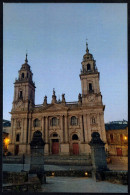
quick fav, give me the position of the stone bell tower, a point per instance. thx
(90, 80)
(23, 102)
(91, 97)
(24, 88)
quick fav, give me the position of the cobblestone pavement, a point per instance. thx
(74, 184)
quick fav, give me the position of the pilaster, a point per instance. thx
(29, 133)
(85, 128)
(43, 131)
(66, 129)
(46, 130)
(62, 129)
(81, 126)
(88, 127)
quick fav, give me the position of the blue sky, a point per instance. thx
(55, 37)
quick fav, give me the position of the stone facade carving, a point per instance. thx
(89, 105)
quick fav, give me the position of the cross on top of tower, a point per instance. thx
(26, 60)
(87, 50)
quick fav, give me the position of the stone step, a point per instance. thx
(67, 157)
(68, 160)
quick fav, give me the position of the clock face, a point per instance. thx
(91, 98)
(19, 104)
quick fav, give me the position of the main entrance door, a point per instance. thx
(75, 148)
(16, 149)
(55, 146)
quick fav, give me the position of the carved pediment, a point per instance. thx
(54, 107)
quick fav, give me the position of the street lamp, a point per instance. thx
(125, 137)
(6, 141)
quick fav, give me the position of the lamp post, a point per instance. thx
(6, 143)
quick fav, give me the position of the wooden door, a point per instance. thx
(119, 151)
(16, 149)
(75, 148)
(55, 147)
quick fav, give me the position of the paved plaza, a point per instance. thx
(81, 184)
(73, 184)
(26, 167)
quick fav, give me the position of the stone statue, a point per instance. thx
(45, 100)
(53, 91)
(63, 98)
(79, 97)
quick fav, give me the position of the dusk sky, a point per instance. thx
(54, 35)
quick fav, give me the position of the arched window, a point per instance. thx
(55, 135)
(22, 75)
(88, 67)
(90, 87)
(74, 120)
(20, 94)
(17, 137)
(36, 123)
(74, 137)
(54, 121)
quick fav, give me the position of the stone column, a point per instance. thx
(29, 132)
(25, 130)
(66, 129)
(99, 163)
(81, 126)
(88, 127)
(85, 128)
(37, 157)
(62, 129)
(11, 131)
(43, 128)
(102, 125)
(14, 131)
(22, 131)
(46, 130)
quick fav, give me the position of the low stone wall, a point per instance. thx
(120, 177)
(13, 159)
(119, 159)
(14, 177)
(23, 187)
(69, 173)
(18, 182)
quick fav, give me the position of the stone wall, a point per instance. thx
(69, 173)
(13, 159)
(14, 177)
(120, 177)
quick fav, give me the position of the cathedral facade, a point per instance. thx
(66, 127)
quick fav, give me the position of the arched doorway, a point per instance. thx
(55, 144)
(75, 147)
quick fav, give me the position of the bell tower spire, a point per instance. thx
(26, 60)
(87, 50)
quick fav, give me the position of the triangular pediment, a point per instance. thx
(54, 107)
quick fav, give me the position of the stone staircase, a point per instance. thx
(68, 160)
